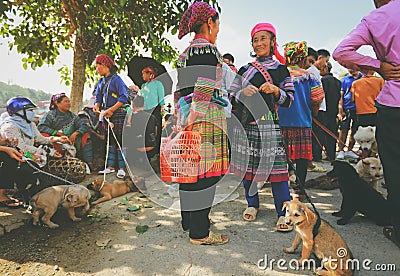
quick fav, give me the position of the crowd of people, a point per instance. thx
(275, 100)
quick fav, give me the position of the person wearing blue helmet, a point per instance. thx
(18, 123)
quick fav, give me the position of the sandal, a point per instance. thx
(281, 225)
(389, 233)
(212, 239)
(316, 168)
(121, 174)
(250, 211)
(11, 203)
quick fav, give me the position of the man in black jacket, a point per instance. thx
(332, 88)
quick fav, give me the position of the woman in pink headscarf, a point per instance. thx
(258, 153)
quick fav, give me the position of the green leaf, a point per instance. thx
(142, 228)
(147, 205)
(133, 208)
(124, 201)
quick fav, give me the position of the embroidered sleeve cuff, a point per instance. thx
(54, 133)
(282, 97)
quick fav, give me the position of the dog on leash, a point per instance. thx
(358, 196)
(370, 169)
(365, 137)
(327, 244)
(67, 196)
(117, 188)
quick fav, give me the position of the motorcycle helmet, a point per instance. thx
(16, 104)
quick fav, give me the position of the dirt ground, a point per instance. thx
(109, 242)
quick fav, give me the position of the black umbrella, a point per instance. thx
(137, 64)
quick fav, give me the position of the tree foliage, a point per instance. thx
(119, 28)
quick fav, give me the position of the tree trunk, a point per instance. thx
(78, 78)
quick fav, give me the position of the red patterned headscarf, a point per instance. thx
(197, 14)
(269, 28)
(54, 100)
(295, 52)
(105, 60)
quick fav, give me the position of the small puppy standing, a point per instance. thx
(327, 245)
(117, 188)
(370, 169)
(67, 196)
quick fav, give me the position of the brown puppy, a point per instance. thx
(327, 245)
(117, 188)
(370, 169)
(67, 196)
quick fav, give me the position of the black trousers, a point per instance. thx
(156, 112)
(11, 173)
(316, 148)
(196, 201)
(330, 122)
(8, 168)
(388, 138)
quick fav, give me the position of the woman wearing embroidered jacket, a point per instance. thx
(258, 154)
(60, 121)
(296, 121)
(205, 115)
(111, 98)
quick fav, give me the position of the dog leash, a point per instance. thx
(330, 133)
(122, 154)
(303, 188)
(107, 147)
(322, 147)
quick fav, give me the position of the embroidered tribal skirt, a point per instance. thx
(214, 158)
(257, 152)
(298, 142)
(118, 119)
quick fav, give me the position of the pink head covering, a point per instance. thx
(105, 60)
(197, 14)
(54, 100)
(269, 28)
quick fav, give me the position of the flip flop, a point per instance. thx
(11, 203)
(280, 222)
(389, 233)
(250, 211)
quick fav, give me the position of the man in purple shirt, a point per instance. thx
(381, 30)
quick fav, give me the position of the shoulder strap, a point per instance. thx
(263, 71)
(106, 84)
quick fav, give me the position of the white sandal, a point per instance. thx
(106, 171)
(121, 174)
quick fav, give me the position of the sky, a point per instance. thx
(322, 23)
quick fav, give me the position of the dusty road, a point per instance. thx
(164, 248)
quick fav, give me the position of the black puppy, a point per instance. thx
(358, 196)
